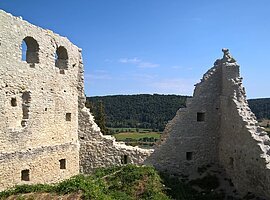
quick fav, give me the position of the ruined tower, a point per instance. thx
(218, 128)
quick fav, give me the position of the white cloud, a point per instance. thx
(177, 67)
(147, 65)
(98, 75)
(138, 62)
(176, 86)
(129, 60)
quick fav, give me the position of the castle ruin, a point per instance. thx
(217, 128)
(47, 134)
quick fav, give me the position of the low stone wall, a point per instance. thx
(98, 150)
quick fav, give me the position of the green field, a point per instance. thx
(144, 138)
(122, 130)
(136, 135)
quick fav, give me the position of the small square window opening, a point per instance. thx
(189, 155)
(68, 116)
(200, 117)
(25, 175)
(62, 163)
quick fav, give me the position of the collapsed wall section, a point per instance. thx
(98, 150)
(38, 103)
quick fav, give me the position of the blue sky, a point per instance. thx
(157, 46)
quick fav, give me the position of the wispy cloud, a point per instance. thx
(176, 67)
(177, 86)
(138, 62)
(98, 75)
(107, 60)
(147, 65)
(130, 60)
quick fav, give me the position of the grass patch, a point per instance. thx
(139, 130)
(122, 183)
(143, 140)
(136, 135)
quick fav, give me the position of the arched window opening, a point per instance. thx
(61, 59)
(30, 50)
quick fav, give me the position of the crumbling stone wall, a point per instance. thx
(193, 133)
(243, 146)
(43, 118)
(226, 135)
(36, 99)
(98, 150)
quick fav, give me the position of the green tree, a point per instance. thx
(101, 118)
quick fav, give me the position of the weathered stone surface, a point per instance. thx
(34, 100)
(41, 108)
(218, 128)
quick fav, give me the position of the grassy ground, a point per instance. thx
(144, 138)
(136, 135)
(140, 130)
(122, 183)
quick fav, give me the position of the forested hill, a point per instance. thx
(152, 111)
(137, 111)
(260, 107)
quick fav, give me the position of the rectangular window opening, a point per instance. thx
(25, 175)
(13, 102)
(68, 116)
(62, 71)
(200, 117)
(231, 162)
(189, 155)
(124, 159)
(62, 163)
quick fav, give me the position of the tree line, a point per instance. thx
(149, 111)
(136, 111)
(260, 107)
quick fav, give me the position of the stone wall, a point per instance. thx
(38, 104)
(243, 145)
(193, 133)
(43, 118)
(217, 128)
